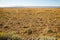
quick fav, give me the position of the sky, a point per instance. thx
(8, 3)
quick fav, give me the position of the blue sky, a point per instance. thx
(7, 3)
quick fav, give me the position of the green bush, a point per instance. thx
(50, 31)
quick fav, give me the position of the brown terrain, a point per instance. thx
(30, 22)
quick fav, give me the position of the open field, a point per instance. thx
(30, 22)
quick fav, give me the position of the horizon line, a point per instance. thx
(31, 7)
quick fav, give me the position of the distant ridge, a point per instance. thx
(32, 7)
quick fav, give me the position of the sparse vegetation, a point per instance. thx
(21, 20)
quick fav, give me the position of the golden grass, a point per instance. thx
(30, 22)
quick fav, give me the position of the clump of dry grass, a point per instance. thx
(9, 36)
